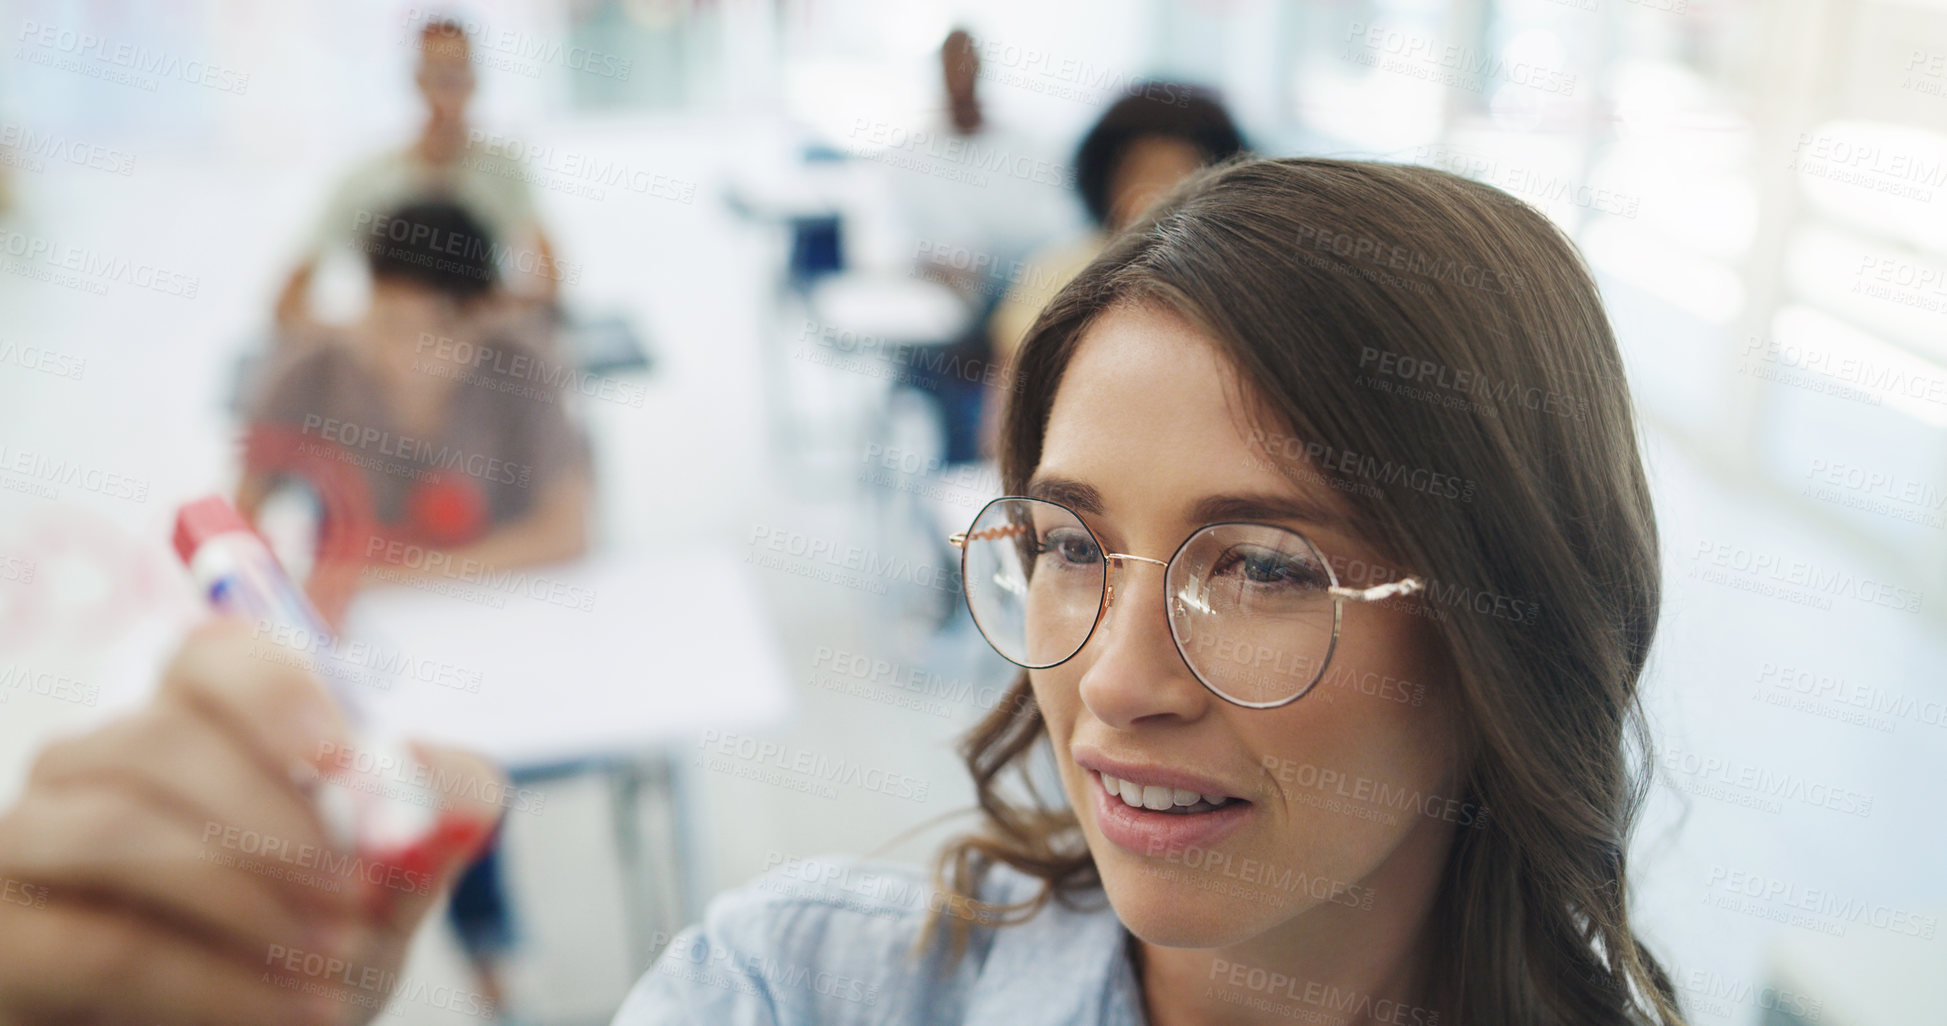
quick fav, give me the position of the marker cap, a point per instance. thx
(199, 521)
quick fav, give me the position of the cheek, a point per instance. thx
(1388, 668)
(1353, 735)
(1336, 766)
(1057, 694)
(1350, 760)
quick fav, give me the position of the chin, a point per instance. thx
(1174, 906)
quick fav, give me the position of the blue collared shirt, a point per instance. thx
(826, 942)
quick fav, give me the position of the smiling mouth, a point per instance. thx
(1171, 800)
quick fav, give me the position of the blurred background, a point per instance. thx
(766, 256)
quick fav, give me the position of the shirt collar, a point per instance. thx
(1064, 965)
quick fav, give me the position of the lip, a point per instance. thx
(1140, 831)
(1090, 759)
(1157, 834)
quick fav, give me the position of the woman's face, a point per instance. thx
(1345, 790)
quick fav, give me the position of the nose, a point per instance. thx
(1134, 671)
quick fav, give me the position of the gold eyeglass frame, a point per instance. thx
(1339, 593)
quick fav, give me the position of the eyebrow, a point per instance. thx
(1084, 498)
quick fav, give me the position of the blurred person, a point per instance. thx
(457, 425)
(960, 75)
(459, 442)
(1206, 601)
(443, 162)
(976, 198)
(1140, 148)
(975, 193)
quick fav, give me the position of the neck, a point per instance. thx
(1339, 961)
(442, 139)
(965, 113)
(392, 330)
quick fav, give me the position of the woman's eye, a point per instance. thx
(1071, 546)
(1272, 568)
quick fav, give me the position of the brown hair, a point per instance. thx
(443, 37)
(1321, 281)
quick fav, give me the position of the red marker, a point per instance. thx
(369, 798)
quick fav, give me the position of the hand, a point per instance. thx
(172, 867)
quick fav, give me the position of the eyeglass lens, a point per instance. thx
(1248, 603)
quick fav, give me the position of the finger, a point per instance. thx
(66, 961)
(117, 848)
(468, 784)
(470, 790)
(247, 687)
(198, 774)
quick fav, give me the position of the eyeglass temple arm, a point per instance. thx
(959, 539)
(1403, 586)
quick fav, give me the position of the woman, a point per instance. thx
(1451, 852)
(1366, 656)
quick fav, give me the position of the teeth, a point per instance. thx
(1153, 797)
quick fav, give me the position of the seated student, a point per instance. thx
(427, 423)
(459, 426)
(1220, 547)
(967, 231)
(446, 160)
(1139, 149)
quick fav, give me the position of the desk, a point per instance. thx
(668, 645)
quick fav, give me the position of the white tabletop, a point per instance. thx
(890, 307)
(671, 645)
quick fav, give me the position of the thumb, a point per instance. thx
(469, 790)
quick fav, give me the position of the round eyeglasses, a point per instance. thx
(1254, 608)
